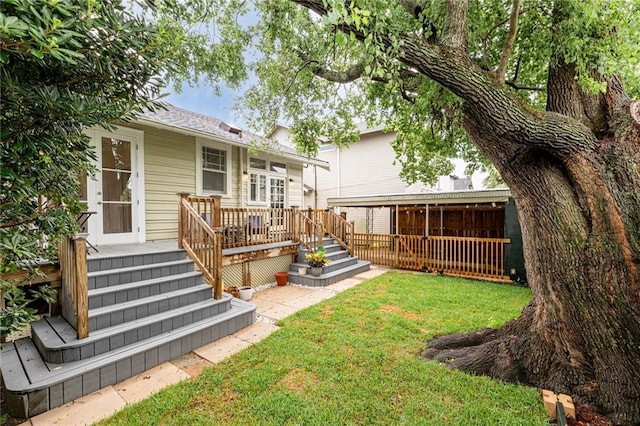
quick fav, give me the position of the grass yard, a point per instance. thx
(354, 360)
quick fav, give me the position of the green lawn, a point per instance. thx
(354, 360)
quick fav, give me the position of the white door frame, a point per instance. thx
(94, 188)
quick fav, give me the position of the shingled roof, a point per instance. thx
(194, 123)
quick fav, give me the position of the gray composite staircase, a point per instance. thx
(340, 267)
(144, 309)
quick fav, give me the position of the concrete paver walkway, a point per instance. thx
(273, 304)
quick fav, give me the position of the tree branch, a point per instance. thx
(508, 44)
(512, 83)
(454, 33)
(347, 76)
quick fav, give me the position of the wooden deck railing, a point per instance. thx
(470, 257)
(245, 226)
(202, 243)
(475, 257)
(72, 255)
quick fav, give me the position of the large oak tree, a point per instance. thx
(538, 89)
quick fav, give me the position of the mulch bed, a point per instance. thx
(587, 417)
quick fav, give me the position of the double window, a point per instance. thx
(266, 182)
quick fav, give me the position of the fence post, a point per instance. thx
(181, 218)
(396, 251)
(82, 289)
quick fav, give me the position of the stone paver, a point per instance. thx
(316, 296)
(344, 284)
(191, 364)
(256, 331)
(149, 382)
(86, 410)
(279, 312)
(221, 349)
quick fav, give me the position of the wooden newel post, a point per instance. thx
(82, 289)
(182, 218)
(217, 263)
(352, 236)
(294, 224)
(215, 211)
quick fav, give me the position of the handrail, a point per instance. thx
(340, 230)
(308, 231)
(202, 243)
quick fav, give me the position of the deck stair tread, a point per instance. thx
(97, 261)
(61, 334)
(146, 300)
(43, 374)
(334, 264)
(180, 262)
(142, 283)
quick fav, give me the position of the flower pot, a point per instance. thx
(246, 293)
(233, 290)
(282, 278)
(302, 270)
(316, 271)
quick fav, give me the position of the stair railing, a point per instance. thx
(202, 243)
(308, 232)
(340, 230)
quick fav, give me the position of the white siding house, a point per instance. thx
(366, 167)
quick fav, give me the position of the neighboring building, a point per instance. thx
(366, 167)
(144, 164)
(471, 214)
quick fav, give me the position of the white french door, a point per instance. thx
(115, 191)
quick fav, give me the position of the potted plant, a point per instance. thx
(316, 260)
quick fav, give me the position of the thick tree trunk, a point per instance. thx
(575, 175)
(580, 217)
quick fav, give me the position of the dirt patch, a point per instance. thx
(298, 380)
(394, 309)
(326, 313)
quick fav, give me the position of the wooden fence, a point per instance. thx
(469, 257)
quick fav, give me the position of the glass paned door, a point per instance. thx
(277, 200)
(116, 186)
(113, 193)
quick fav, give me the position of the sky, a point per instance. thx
(204, 100)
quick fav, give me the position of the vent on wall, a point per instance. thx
(231, 129)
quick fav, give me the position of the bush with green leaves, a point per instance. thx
(65, 66)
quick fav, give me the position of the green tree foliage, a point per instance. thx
(541, 88)
(65, 65)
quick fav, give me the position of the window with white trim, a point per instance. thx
(258, 188)
(263, 187)
(214, 169)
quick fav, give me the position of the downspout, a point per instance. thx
(315, 187)
(339, 183)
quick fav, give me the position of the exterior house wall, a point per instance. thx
(170, 161)
(169, 170)
(363, 168)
